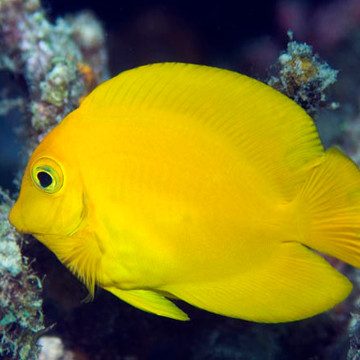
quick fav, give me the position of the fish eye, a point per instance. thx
(47, 175)
(45, 179)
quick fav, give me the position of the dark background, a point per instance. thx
(216, 28)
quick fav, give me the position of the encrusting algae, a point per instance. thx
(21, 317)
(205, 186)
(303, 77)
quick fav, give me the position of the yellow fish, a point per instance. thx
(179, 181)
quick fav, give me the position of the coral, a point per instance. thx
(21, 316)
(354, 332)
(58, 64)
(303, 77)
(52, 348)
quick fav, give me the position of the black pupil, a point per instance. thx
(44, 179)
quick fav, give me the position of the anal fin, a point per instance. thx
(150, 301)
(294, 284)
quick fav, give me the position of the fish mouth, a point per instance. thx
(15, 219)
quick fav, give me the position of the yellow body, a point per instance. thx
(196, 183)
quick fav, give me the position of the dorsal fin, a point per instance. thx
(267, 128)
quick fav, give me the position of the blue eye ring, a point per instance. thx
(47, 175)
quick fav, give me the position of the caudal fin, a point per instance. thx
(330, 203)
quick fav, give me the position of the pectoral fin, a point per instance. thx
(150, 301)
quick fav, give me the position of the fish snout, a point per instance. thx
(15, 218)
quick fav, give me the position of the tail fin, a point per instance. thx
(331, 202)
